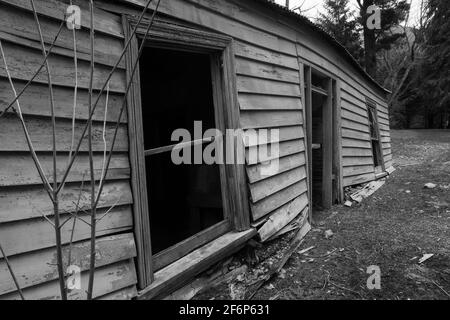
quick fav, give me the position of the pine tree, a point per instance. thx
(338, 21)
(393, 12)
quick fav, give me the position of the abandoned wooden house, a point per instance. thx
(229, 63)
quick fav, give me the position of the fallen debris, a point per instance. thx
(425, 257)
(306, 250)
(348, 204)
(206, 282)
(277, 267)
(328, 234)
(359, 193)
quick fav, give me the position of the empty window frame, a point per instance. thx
(213, 55)
(374, 135)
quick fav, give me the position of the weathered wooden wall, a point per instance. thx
(269, 51)
(25, 235)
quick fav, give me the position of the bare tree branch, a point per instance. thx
(127, 44)
(59, 256)
(10, 105)
(11, 271)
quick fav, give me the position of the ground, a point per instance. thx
(392, 229)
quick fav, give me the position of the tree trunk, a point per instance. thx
(370, 53)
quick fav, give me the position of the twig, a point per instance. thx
(46, 183)
(91, 158)
(127, 44)
(109, 210)
(59, 257)
(341, 287)
(80, 194)
(12, 273)
(75, 94)
(442, 289)
(10, 105)
(124, 103)
(104, 139)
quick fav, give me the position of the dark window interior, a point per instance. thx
(374, 135)
(176, 90)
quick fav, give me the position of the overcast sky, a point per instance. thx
(315, 7)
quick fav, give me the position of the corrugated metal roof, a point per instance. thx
(303, 20)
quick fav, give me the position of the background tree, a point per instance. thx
(338, 20)
(434, 82)
(393, 12)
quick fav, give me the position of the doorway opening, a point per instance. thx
(186, 199)
(319, 112)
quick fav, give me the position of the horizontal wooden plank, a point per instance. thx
(104, 22)
(265, 188)
(122, 294)
(35, 101)
(35, 234)
(357, 161)
(40, 131)
(353, 143)
(247, 67)
(355, 152)
(270, 119)
(348, 133)
(284, 134)
(261, 86)
(350, 115)
(282, 217)
(19, 169)
(256, 173)
(248, 51)
(361, 111)
(32, 202)
(214, 20)
(56, 50)
(358, 170)
(40, 266)
(265, 102)
(23, 63)
(267, 205)
(349, 181)
(108, 279)
(253, 155)
(107, 49)
(177, 274)
(350, 124)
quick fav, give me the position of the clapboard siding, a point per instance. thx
(267, 48)
(41, 135)
(107, 49)
(34, 234)
(27, 238)
(23, 63)
(39, 266)
(20, 170)
(35, 100)
(27, 202)
(110, 278)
